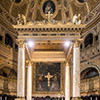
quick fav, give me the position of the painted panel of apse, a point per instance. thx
(48, 77)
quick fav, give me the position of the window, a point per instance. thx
(89, 73)
(88, 40)
(16, 47)
(96, 37)
(16, 1)
(1, 38)
(8, 40)
(81, 1)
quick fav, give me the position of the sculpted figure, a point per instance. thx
(24, 19)
(77, 19)
(21, 19)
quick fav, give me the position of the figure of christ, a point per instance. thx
(48, 76)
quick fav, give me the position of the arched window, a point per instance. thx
(2, 73)
(16, 47)
(96, 38)
(89, 73)
(81, 1)
(1, 38)
(8, 40)
(17, 1)
(88, 40)
(81, 46)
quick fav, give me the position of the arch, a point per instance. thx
(9, 72)
(8, 40)
(2, 73)
(88, 68)
(81, 1)
(16, 1)
(88, 32)
(88, 40)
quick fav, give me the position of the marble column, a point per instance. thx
(29, 81)
(67, 82)
(21, 71)
(76, 71)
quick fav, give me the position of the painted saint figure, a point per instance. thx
(49, 8)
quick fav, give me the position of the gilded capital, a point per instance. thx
(77, 42)
(20, 43)
(29, 63)
(67, 64)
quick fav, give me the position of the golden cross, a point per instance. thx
(49, 15)
(48, 76)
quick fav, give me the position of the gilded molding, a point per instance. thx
(20, 43)
(45, 92)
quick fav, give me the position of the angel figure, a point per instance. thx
(24, 19)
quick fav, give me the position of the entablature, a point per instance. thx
(49, 31)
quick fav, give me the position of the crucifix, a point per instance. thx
(49, 15)
(48, 76)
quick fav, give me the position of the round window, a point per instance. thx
(81, 1)
(16, 1)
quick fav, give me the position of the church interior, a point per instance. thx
(49, 49)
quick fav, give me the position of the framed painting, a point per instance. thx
(48, 77)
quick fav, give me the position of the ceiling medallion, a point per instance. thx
(48, 7)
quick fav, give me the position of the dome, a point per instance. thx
(35, 10)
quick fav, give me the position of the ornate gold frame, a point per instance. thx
(56, 10)
(45, 92)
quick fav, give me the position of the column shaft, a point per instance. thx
(29, 82)
(76, 71)
(21, 72)
(67, 82)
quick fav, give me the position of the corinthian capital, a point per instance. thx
(20, 43)
(28, 63)
(77, 42)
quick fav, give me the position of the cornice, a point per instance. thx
(7, 26)
(92, 23)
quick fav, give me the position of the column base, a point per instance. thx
(20, 98)
(76, 98)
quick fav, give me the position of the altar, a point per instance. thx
(49, 49)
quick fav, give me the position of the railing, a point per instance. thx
(8, 85)
(90, 52)
(90, 86)
(7, 52)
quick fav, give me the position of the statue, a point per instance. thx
(21, 20)
(77, 19)
(24, 19)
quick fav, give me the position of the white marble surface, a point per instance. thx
(76, 71)
(67, 82)
(21, 72)
(29, 82)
